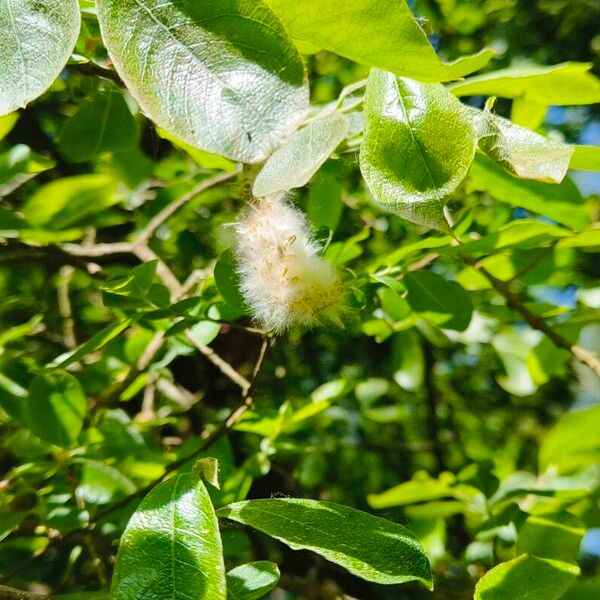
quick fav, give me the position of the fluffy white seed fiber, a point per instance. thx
(284, 279)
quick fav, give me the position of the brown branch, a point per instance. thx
(8, 593)
(536, 322)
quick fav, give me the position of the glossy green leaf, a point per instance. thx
(526, 578)
(564, 84)
(56, 408)
(70, 201)
(36, 40)
(565, 449)
(294, 163)
(418, 146)
(523, 152)
(380, 33)
(221, 75)
(555, 536)
(102, 124)
(444, 303)
(370, 547)
(561, 202)
(171, 548)
(586, 158)
(252, 581)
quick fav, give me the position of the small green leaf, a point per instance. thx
(228, 282)
(294, 163)
(444, 303)
(208, 469)
(252, 581)
(526, 578)
(565, 449)
(221, 75)
(380, 33)
(523, 152)
(325, 205)
(171, 548)
(564, 84)
(56, 408)
(418, 146)
(37, 40)
(372, 548)
(102, 124)
(555, 536)
(561, 202)
(102, 484)
(71, 201)
(136, 284)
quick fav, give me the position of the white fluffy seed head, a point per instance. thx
(283, 278)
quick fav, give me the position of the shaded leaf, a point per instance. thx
(294, 163)
(252, 581)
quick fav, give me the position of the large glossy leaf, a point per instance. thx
(221, 75)
(380, 33)
(293, 164)
(56, 408)
(565, 449)
(171, 548)
(36, 40)
(526, 578)
(561, 202)
(370, 547)
(564, 84)
(523, 152)
(418, 146)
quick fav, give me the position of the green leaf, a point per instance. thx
(372, 548)
(221, 75)
(136, 284)
(564, 84)
(380, 33)
(102, 124)
(171, 548)
(564, 447)
(36, 41)
(252, 581)
(102, 484)
(13, 398)
(526, 578)
(588, 589)
(19, 164)
(56, 408)
(294, 163)
(7, 122)
(561, 202)
(70, 201)
(228, 282)
(325, 204)
(586, 158)
(556, 536)
(523, 152)
(418, 146)
(444, 303)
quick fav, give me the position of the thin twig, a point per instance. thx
(535, 322)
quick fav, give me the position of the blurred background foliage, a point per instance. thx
(464, 422)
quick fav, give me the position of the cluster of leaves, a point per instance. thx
(130, 369)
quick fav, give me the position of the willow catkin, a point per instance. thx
(283, 278)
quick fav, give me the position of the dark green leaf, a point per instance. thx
(56, 408)
(444, 303)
